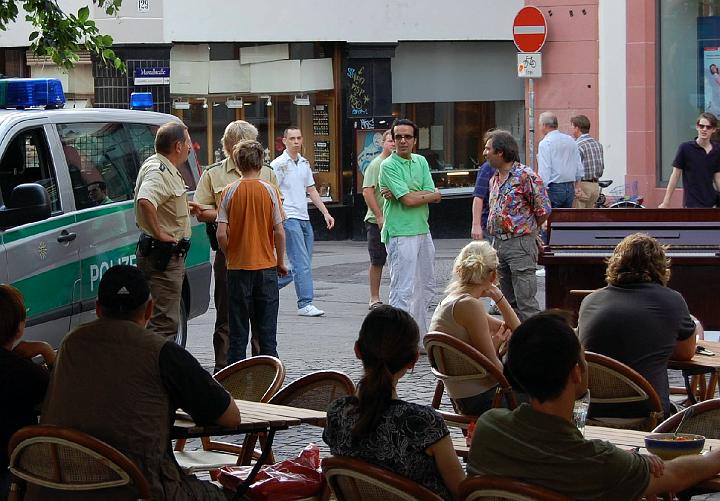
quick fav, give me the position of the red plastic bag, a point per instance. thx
(295, 478)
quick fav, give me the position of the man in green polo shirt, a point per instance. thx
(408, 189)
(539, 443)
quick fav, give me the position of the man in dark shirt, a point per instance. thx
(698, 161)
(22, 382)
(539, 443)
(637, 320)
(122, 383)
(481, 202)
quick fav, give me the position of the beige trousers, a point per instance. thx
(166, 290)
(591, 192)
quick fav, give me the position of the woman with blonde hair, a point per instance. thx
(462, 315)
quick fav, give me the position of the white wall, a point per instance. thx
(300, 20)
(612, 81)
(17, 33)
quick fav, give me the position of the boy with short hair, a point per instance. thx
(250, 234)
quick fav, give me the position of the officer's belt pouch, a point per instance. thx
(158, 252)
(211, 230)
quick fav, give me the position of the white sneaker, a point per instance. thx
(540, 272)
(310, 311)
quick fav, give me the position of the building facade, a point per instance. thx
(638, 68)
(342, 73)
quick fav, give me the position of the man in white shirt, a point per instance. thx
(559, 163)
(295, 180)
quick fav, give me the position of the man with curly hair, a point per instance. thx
(637, 319)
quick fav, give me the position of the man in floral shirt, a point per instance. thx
(519, 205)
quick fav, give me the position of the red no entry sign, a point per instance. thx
(529, 29)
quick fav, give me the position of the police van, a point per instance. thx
(67, 180)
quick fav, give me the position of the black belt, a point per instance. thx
(590, 180)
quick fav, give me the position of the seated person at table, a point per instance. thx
(638, 320)
(377, 427)
(119, 382)
(538, 442)
(22, 382)
(462, 315)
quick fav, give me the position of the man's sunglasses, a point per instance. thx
(704, 127)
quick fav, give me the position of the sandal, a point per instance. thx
(375, 305)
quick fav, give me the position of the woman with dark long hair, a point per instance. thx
(377, 427)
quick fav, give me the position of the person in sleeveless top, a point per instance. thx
(462, 314)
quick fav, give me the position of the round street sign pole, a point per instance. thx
(529, 34)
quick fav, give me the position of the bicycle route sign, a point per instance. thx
(529, 64)
(529, 29)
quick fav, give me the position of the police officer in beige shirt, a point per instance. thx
(204, 206)
(161, 212)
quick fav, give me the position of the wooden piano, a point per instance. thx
(580, 240)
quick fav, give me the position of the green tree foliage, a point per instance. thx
(59, 35)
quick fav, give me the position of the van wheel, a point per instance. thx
(181, 336)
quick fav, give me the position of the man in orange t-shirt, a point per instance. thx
(250, 234)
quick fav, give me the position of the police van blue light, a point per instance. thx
(141, 101)
(22, 93)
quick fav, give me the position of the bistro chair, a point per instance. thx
(612, 382)
(255, 379)
(703, 420)
(58, 458)
(315, 391)
(355, 480)
(455, 361)
(492, 487)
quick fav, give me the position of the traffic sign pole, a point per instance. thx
(529, 34)
(531, 120)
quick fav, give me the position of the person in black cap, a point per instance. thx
(122, 383)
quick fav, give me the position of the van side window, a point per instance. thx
(102, 162)
(27, 160)
(143, 137)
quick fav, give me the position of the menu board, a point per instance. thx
(359, 85)
(322, 156)
(321, 120)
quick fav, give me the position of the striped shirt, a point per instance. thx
(591, 155)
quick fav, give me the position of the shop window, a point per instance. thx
(221, 117)
(196, 119)
(450, 136)
(256, 112)
(690, 84)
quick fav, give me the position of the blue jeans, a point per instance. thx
(253, 298)
(299, 247)
(561, 195)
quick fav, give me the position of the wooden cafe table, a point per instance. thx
(701, 365)
(256, 417)
(624, 439)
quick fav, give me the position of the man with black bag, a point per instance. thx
(161, 213)
(213, 181)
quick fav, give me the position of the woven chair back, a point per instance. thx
(64, 459)
(256, 379)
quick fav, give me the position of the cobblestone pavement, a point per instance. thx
(321, 343)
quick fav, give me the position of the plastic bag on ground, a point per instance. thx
(287, 480)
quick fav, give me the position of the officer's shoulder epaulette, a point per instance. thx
(212, 166)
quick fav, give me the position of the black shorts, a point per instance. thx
(376, 249)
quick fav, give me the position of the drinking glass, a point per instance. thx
(580, 411)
